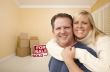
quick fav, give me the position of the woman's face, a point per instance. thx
(81, 26)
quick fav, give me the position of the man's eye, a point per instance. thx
(67, 27)
(58, 28)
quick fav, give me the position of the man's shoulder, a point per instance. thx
(83, 46)
(80, 45)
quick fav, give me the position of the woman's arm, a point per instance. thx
(100, 64)
(54, 49)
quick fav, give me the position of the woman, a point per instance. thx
(86, 32)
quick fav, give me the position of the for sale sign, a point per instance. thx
(39, 51)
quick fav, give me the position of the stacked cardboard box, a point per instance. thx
(33, 41)
(23, 45)
(22, 52)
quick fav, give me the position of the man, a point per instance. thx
(62, 28)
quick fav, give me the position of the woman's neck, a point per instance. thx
(87, 39)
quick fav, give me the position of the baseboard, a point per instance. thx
(6, 58)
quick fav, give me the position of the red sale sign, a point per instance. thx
(39, 51)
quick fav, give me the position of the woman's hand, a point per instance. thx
(68, 53)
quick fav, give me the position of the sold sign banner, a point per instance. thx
(39, 51)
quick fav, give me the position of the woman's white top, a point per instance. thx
(101, 47)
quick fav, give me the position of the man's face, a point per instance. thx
(63, 31)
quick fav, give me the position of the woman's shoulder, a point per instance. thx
(103, 41)
(103, 38)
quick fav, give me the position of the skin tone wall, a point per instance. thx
(36, 21)
(9, 21)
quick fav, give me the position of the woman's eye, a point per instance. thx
(75, 23)
(84, 22)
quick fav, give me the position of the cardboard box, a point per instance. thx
(23, 36)
(23, 43)
(22, 52)
(33, 42)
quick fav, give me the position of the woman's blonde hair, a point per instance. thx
(95, 31)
